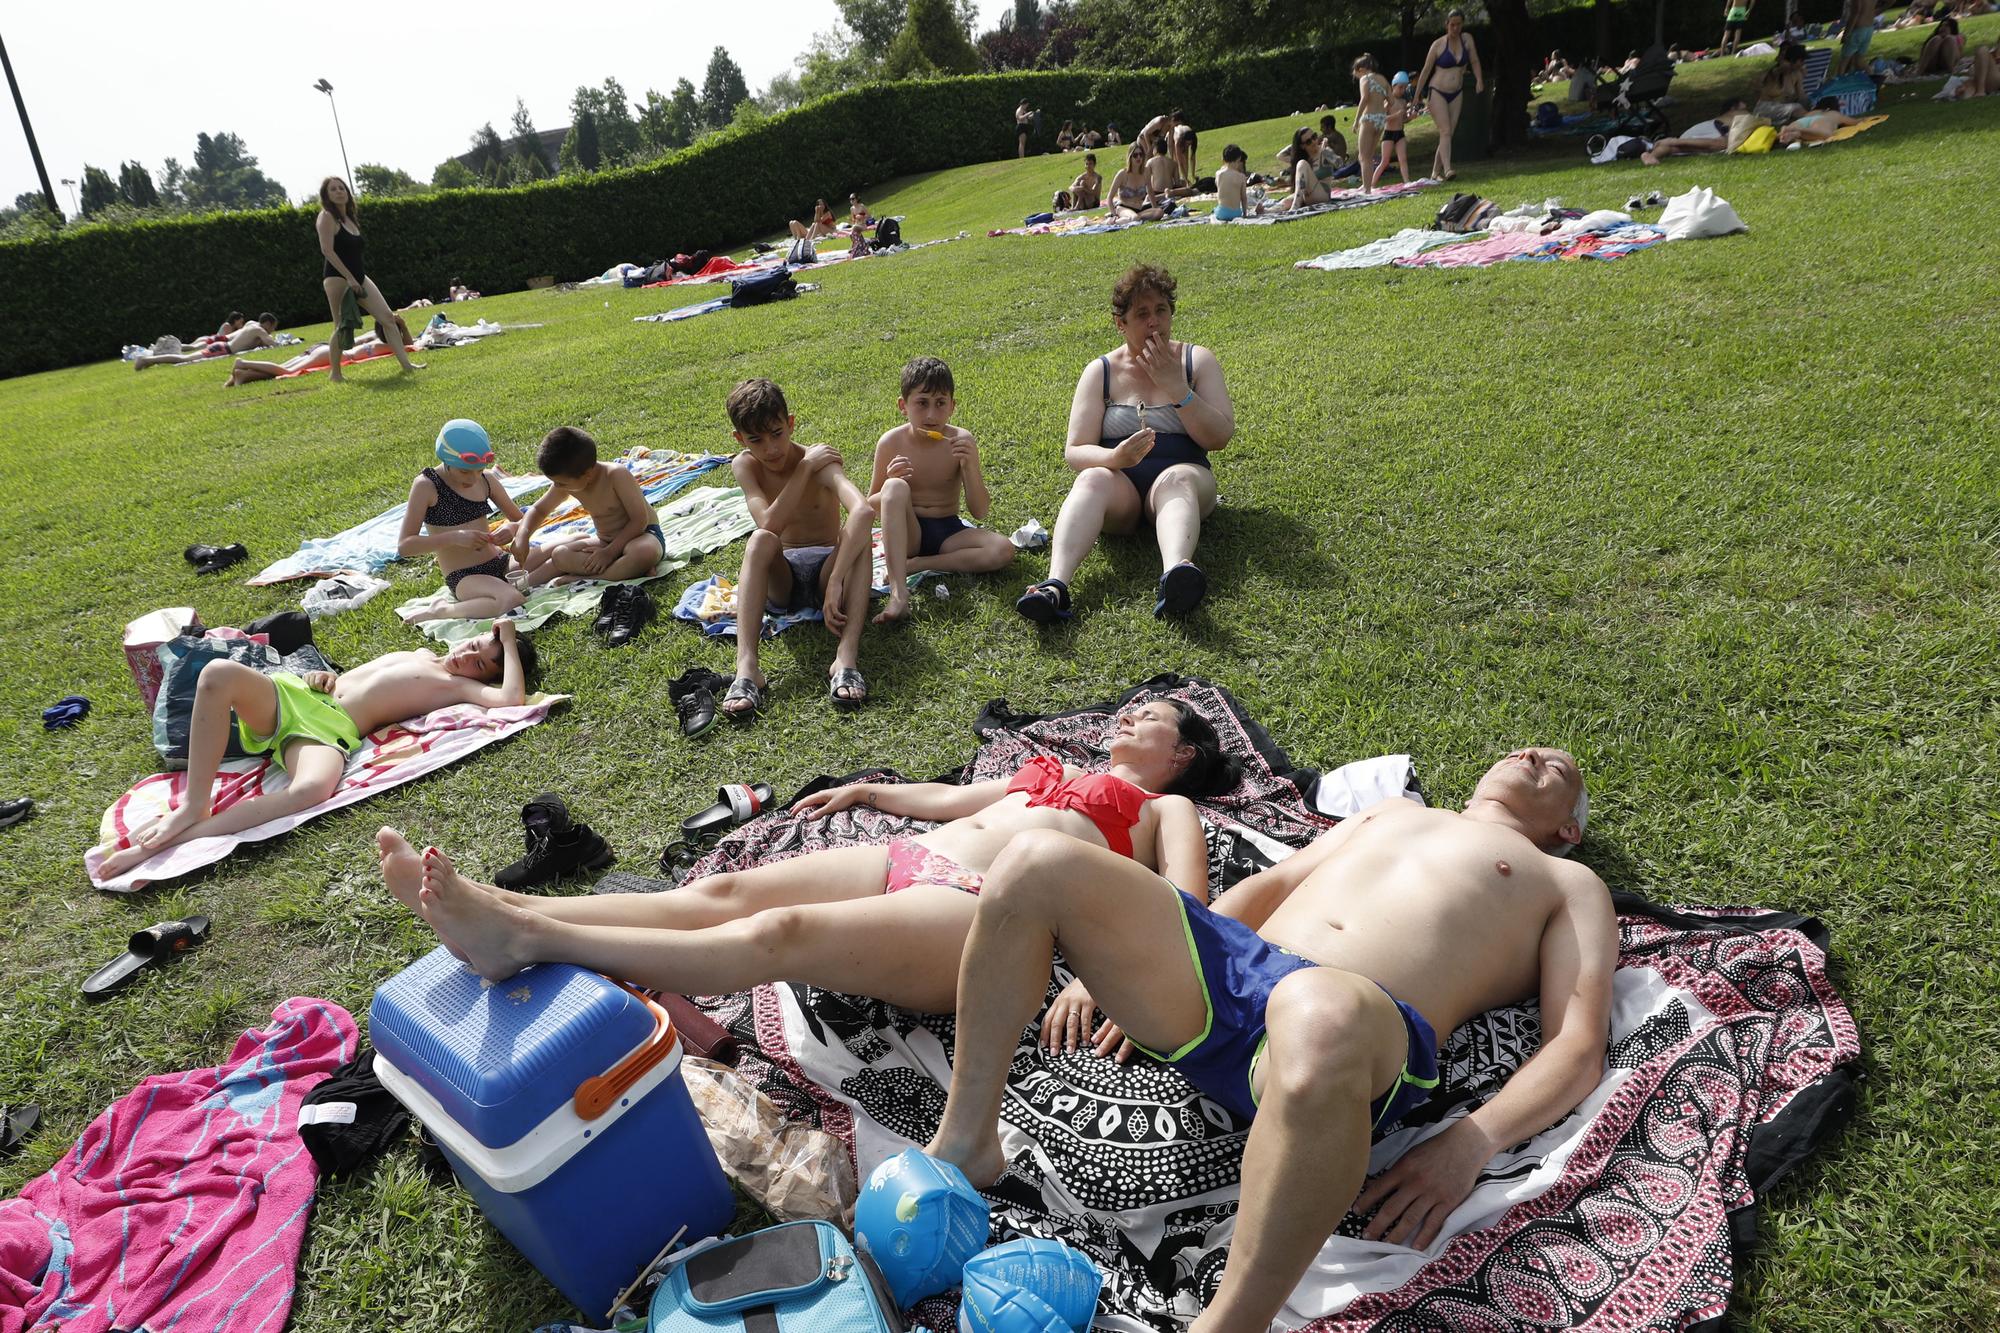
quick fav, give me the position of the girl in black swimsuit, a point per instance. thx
(343, 272)
(1141, 426)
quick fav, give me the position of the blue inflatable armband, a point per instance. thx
(920, 1219)
(988, 1305)
(1063, 1280)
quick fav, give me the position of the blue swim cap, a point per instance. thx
(462, 443)
(1402, 77)
(990, 1306)
(920, 1219)
(1063, 1281)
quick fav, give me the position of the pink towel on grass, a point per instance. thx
(184, 1205)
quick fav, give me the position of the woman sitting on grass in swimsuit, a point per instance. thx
(885, 921)
(1132, 190)
(1308, 188)
(1443, 80)
(1143, 421)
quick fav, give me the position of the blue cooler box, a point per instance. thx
(557, 1097)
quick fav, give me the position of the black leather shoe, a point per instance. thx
(16, 810)
(631, 615)
(552, 855)
(222, 558)
(607, 607)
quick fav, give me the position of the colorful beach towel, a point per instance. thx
(1376, 254)
(387, 758)
(185, 1203)
(1731, 1058)
(1846, 132)
(371, 546)
(706, 519)
(709, 307)
(1612, 242)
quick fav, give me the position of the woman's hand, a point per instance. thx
(1132, 448)
(1110, 1037)
(1068, 1019)
(835, 799)
(1157, 359)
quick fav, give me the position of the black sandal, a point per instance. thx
(743, 688)
(1181, 590)
(850, 679)
(148, 948)
(1045, 603)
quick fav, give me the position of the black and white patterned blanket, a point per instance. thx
(1731, 1058)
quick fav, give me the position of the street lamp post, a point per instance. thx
(74, 207)
(327, 88)
(34, 149)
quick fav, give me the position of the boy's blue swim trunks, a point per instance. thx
(1237, 970)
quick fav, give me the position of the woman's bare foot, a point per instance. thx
(413, 365)
(151, 839)
(897, 609)
(983, 1162)
(490, 933)
(403, 872)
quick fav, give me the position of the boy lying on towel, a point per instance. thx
(1307, 1000)
(310, 725)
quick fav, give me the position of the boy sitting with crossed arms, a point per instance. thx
(924, 469)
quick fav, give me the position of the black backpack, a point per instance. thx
(888, 232)
(775, 285)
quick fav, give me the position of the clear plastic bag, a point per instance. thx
(342, 592)
(796, 1172)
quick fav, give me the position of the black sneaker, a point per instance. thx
(16, 810)
(607, 607)
(634, 609)
(552, 855)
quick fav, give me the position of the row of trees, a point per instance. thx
(221, 175)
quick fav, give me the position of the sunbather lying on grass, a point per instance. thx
(1817, 125)
(886, 921)
(1309, 1001)
(310, 725)
(1705, 136)
(246, 371)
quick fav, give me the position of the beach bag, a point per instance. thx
(801, 252)
(888, 232)
(1699, 213)
(761, 288)
(1465, 213)
(142, 639)
(1037, 219)
(1548, 117)
(1760, 140)
(797, 1277)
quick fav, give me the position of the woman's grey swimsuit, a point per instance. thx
(1171, 444)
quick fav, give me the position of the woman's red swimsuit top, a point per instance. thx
(1110, 802)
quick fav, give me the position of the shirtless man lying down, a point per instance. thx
(1309, 999)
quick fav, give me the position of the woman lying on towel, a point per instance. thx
(1142, 424)
(1818, 125)
(246, 371)
(888, 921)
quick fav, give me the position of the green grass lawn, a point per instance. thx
(1719, 517)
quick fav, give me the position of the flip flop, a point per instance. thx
(743, 688)
(17, 1125)
(149, 947)
(847, 678)
(1181, 590)
(1045, 603)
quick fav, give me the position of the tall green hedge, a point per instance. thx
(77, 297)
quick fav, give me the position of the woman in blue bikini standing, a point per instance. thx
(1443, 80)
(1144, 420)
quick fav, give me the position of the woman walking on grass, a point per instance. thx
(1443, 80)
(343, 272)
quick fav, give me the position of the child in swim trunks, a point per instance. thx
(626, 542)
(801, 557)
(925, 470)
(447, 515)
(1231, 184)
(1734, 17)
(1392, 130)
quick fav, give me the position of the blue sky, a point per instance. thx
(107, 80)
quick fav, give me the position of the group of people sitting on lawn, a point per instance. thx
(823, 223)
